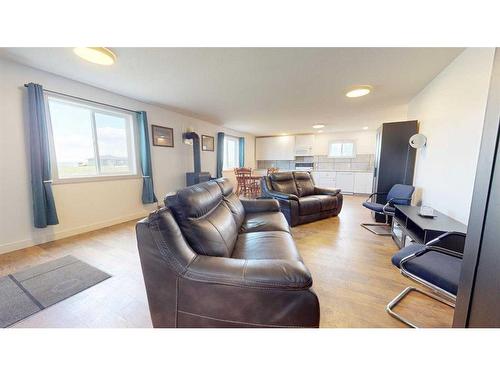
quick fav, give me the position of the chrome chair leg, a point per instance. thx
(374, 231)
(403, 294)
(386, 226)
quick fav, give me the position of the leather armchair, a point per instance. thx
(253, 277)
(301, 201)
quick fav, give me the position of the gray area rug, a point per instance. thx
(27, 292)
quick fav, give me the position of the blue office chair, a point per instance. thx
(436, 265)
(399, 194)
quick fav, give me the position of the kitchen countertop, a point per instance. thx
(264, 171)
(343, 170)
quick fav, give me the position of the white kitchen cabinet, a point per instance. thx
(275, 148)
(345, 181)
(304, 145)
(348, 182)
(324, 179)
(363, 182)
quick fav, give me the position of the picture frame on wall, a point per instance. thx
(162, 136)
(207, 143)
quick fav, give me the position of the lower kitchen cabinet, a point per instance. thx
(345, 182)
(363, 182)
(348, 182)
(324, 179)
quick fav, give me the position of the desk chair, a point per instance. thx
(399, 194)
(435, 265)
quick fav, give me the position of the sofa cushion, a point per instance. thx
(264, 221)
(309, 205)
(232, 201)
(304, 183)
(205, 221)
(283, 182)
(327, 202)
(266, 245)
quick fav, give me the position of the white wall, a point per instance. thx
(451, 112)
(365, 141)
(91, 205)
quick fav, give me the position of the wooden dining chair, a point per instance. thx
(247, 185)
(242, 180)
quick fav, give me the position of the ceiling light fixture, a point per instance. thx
(318, 126)
(96, 55)
(365, 127)
(358, 91)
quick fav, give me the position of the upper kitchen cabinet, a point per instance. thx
(275, 148)
(321, 143)
(304, 145)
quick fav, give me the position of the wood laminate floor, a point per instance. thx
(352, 272)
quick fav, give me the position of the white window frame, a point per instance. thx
(342, 143)
(133, 147)
(224, 166)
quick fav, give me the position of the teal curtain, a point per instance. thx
(220, 154)
(242, 152)
(44, 207)
(148, 194)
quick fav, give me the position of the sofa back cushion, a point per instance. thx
(204, 219)
(232, 201)
(283, 182)
(304, 182)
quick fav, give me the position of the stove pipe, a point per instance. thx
(196, 150)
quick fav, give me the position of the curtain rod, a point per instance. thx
(87, 100)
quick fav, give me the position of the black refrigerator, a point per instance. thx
(394, 158)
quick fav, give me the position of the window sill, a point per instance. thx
(80, 180)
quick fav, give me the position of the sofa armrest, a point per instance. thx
(326, 191)
(260, 205)
(267, 191)
(252, 273)
(283, 196)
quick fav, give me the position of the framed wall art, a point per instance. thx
(162, 136)
(207, 143)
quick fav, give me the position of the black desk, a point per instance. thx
(408, 223)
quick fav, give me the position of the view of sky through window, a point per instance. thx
(77, 143)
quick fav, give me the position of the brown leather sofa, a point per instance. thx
(300, 200)
(210, 259)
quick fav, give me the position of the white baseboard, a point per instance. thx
(13, 246)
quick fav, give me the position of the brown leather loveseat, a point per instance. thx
(300, 200)
(210, 259)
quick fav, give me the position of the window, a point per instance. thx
(231, 152)
(90, 141)
(342, 149)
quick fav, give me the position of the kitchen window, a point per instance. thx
(89, 141)
(231, 152)
(342, 149)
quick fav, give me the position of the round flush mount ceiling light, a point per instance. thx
(358, 91)
(318, 126)
(96, 55)
(365, 127)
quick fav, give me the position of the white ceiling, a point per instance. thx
(262, 91)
